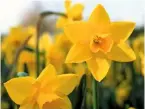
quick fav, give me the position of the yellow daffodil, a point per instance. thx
(138, 47)
(28, 58)
(48, 91)
(98, 41)
(72, 13)
(122, 92)
(56, 53)
(14, 39)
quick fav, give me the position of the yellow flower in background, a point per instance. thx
(62, 42)
(48, 91)
(131, 108)
(98, 41)
(56, 53)
(14, 39)
(28, 58)
(122, 92)
(72, 12)
(138, 47)
(55, 57)
(80, 71)
(45, 40)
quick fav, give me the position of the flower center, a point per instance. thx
(101, 42)
(97, 39)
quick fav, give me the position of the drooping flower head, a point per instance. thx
(98, 41)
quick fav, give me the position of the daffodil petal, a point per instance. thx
(66, 83)
(78, 53)
(67, 103)
(29, 105)
(120, 31)
(47, 75)
(98, 67)
(19, 88)
(61, 103)
(100, 19)
(122, 53)
(79, 31)
(76, 11)
(44, 98)
(61, 22)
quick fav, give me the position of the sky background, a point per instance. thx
(11, 11)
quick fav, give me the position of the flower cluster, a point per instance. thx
(80, 48)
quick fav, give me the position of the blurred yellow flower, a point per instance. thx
(72, 13)
(56, 54)
(98, 41)
(138, 47)
(80, 71)
(45, 40)
(28, 58)
(122, 92)
(62, 42)
(131, 108)
(48, 91)
(14, 39)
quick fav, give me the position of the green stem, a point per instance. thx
(95, 88)
(37, 45)
(38, 27)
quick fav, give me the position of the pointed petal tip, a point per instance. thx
(100, 6)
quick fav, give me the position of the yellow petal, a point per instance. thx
(61, 22)
(122, 53)
(67, 103)
(100, 19)
(47, 75)
(80, 71)
(76, 12)
(29, 105)
(61, 103)
(98, 67)
(120, 31)
(19, 88)
(78, 53)
(67, 5)
(44, 98)
(79, 31)
(66, 83)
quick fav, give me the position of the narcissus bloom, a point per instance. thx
(15, 38)
(72, 13)
(98, 41)
(48, 91)
(138, 47)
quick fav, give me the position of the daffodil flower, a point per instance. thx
(98, 41)
(48, 91)
(72, 13)
(15, 38)
(138, 47)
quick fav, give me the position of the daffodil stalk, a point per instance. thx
(95, 90)
(42, 15)
(16, 57)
